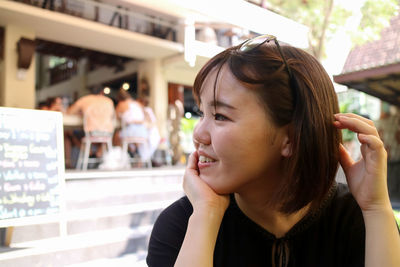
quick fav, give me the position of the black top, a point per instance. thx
(334, 235)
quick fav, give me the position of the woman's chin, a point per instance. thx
(216, 186)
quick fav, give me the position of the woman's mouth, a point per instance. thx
(204, 159)
(205, 162)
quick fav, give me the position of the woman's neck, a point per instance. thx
(257, 209)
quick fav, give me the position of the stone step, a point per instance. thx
(82, 220)
(78, 248)
(103, 200)
(117, 188)
(130, 260)
(91, 195)
(108, 217)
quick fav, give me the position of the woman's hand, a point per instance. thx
(202, 197)
(203, 226)
(367, 178)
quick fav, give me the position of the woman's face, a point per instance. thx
(238, 146)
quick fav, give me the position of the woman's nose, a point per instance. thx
(201, 134)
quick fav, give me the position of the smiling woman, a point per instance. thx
(261, 187)
(233, 153)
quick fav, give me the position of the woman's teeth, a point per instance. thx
(205, 159)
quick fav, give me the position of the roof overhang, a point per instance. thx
(382, 82)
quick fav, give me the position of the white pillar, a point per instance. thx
(16, 91)
(83, 77)
(153, 72)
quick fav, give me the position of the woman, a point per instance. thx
(260, 187)
(151, 123)
(132, 117)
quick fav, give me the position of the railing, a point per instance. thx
(63, 72)
(117, 16)
(127, 18)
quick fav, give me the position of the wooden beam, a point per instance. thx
(396, 91)
(367, 74)
(362, 87)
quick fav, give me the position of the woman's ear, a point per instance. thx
(286, 150)
(286, 145)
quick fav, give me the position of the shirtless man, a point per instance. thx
(95, 123)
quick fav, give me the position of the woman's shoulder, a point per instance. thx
(174, 218)
(168, 233)
(122, 104)
(180, 208)
(344, 208)
(135, 103)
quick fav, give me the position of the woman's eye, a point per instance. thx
(220, 117)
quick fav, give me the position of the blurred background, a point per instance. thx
(55, 52)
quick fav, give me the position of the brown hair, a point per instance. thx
(123, 95)
(308, 110)
(96, 89)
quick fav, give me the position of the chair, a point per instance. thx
(98, 124)
(126, 140)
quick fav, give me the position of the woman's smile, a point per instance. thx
(205, 160)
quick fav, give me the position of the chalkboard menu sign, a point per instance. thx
(31, 164)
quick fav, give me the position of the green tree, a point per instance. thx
(326, 17)
(376, 16)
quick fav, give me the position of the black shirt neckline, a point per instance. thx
(299, 227)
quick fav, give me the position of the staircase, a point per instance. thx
(107, 221)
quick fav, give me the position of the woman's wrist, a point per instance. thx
(379, 205)
(209, 213)
(215, 207)
(381, 210)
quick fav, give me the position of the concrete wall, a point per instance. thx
(180, 76)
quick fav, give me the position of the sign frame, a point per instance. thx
(57, 118)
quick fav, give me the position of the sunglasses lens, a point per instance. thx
(255, 42)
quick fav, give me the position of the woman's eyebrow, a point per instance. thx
(220, 104)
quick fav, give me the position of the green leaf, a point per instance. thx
(376, 15)
(397, 216)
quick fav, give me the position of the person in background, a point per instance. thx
(85, 103)
(151, 124)
(132, 116)
(42, 105)
(55, 104)
(260, 187)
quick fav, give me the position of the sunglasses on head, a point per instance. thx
(258, 41)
